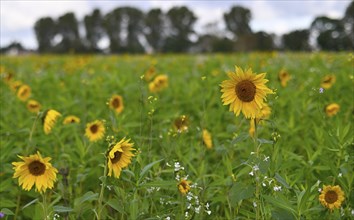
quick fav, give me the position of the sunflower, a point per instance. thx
(150, 73)
(328, 81)
(95, 130)
(207, 139)
(71, 119)
(116, 103)
(245, 91)
(181, 123)
(24, 92)
(49, 119)
(331, 197)
(159, 83)
(35, 170)
(284, 77)
(15, 84)
(33, 106)
(184, 186)
(332, 109)
(119, 156)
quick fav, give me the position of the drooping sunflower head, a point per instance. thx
(284, 77)
(116, 103)
(160, 83)
(245, 92)
(184, 186)
(332, 109)
(331, 197)
(208, 142)
(71, 119)
(50, 117)
(95, 130)
(24, 92)
(181, 124)
(33, 106)
(119, 157)
(150, 73)
(328, 81)
(35, 170)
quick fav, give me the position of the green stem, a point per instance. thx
(45, 206)
(257, 194)
(17, 206)
(103, 185)
(31, 133)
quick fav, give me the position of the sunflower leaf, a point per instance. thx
(147, 168)
(87, 197)
(30, 203)
(59, 208)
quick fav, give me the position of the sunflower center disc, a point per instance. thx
(245, 91)
(331, 197)
(117, 156)
(94, 128)
(36, 168)
(115, 103)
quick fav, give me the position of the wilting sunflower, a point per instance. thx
(263, 114)
(95, 130)
(181, 124)
(33, 106)
(119, 157)
(332, 109)
(328, 81)
(207, 139)
(24, 92)
(35, 170)
(149, 74)
(116, 103)
(284, 77)
(331, 197)
(71, 119)
(184, 186)
(245, 91)
(159, 83)
(49, 119)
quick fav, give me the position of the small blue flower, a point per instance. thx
(321, 90)
(2, 215)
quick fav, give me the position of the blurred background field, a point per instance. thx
(302, 148)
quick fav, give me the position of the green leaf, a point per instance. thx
(240, 191)
(280, 203)
(117, 205)
(7, 203)
(147, 168)
(264, 141)
(239, 138)
(159, 184)
(59, 208)
(89, 196)
(282, 181)
(30, 203)
(7, 211)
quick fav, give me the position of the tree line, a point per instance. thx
(130, 30)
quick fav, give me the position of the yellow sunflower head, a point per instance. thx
(181, 124)
(159, 83)
(95, 130)
(284, 77)
(116, 103)
(33, 106)
(208, 142)
(71, 119)
(49, 119)
(331, 197)
(15, 84)
(24, 92)
(245, 92)
(184, 186)
(332, 109)
(119, 157)
(35, 170)
(328, 81)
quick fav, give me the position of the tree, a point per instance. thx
(94, 29)
(348, 22)
(154, 30)
(330, 34)
(180, 27)
(124, 26)
(237, 21)
(296, 40)
(45, 30)
(67, 27)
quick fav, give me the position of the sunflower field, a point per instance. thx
(236, 136)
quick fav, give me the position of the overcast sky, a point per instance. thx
(273, 16)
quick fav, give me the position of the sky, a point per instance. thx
(17, 18)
